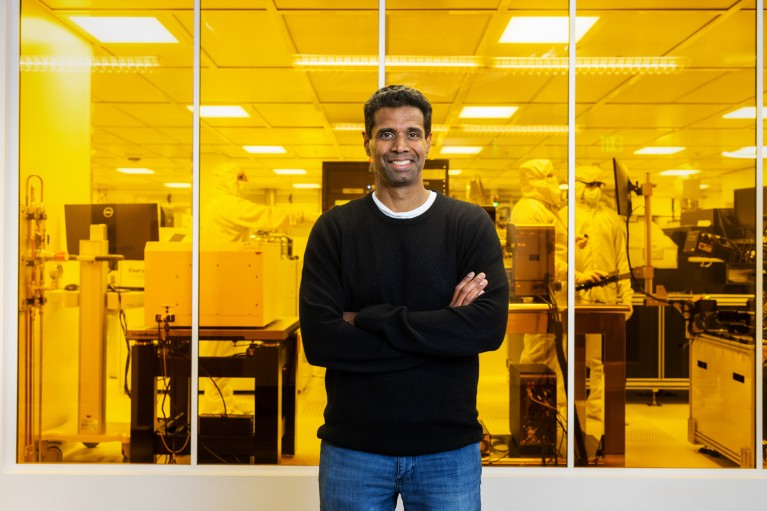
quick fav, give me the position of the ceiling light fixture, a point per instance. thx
(359, 127)
(590, 65)
(307, 186)
(488, 112)
(461, 149)
(747, 112)
(221, 111)
(265, 149)
(371, 61)
(516, 129)
(40, 63)
(517, 65)
(123, 29)
(659, 150)
(177, 185)
(679, 172)
(135, 170)
(745, 152)
(454, 172)
(290, 172)
(545, 29)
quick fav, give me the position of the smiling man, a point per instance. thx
(401, 290)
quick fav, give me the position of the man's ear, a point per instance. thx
(365, 141)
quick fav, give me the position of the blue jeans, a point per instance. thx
(360, 481)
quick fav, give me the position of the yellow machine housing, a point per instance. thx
(238, 283)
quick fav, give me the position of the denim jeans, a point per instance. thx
(359, 481)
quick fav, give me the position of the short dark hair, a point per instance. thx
(394, 96)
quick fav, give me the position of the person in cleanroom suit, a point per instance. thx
(600, 245)
(231, 217)
(539, 205)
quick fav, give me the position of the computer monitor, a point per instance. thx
(623, 189)
(745, 206)
(129, 226)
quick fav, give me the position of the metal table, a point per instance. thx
(270, 360)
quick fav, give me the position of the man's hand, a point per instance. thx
(349, 317)
(468, 289)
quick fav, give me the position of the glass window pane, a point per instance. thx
(104, 132)
(655, 125)
(294, 111)
(500, 127)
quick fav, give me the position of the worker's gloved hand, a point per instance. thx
(590, 276)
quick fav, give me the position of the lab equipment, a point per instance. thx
(532, 410)
(240, 283)
(532, 259)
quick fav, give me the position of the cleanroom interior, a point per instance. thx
(665, 99)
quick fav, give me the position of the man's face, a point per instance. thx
(398, 146)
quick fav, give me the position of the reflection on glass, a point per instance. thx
(654, 125)
(101, 133)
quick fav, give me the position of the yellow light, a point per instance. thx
(307, 186)
(564, 186)
(454, 172)
(290, 172)
(679, 172)
(545, 29)
(118, 29)
(211, 111)
(659, 150)
(265, 149)
(135, 170)
(461, 150)
(177, 185)
(487, 112)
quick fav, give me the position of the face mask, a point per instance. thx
(591, 196)
(244, 187)
(555, 194)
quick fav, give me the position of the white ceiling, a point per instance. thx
(248, 48)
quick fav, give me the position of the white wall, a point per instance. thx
(130, 488)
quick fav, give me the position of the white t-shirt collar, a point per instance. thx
(406, 214)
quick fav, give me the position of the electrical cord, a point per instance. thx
(123, 318)
(224, 420)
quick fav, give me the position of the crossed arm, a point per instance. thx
(466, 291)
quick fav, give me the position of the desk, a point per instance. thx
(610, 322)
(270, 360)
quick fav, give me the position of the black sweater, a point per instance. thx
(403, 380)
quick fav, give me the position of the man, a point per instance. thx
(380, 309)
(601, 246)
